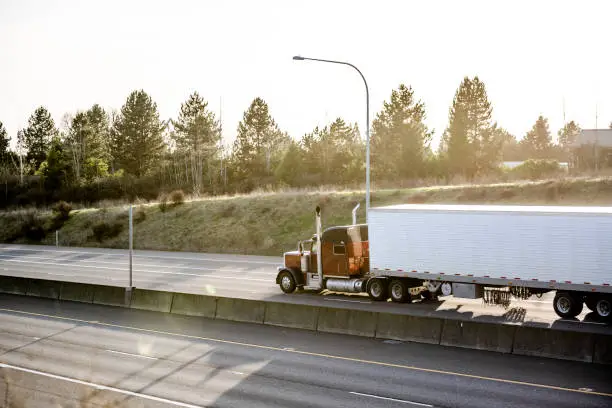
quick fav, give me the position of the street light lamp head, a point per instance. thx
(298, 58)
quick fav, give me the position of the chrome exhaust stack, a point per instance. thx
(355, 214)
(319, 248)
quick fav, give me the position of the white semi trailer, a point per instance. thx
(426, 250)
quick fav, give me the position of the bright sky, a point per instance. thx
(532, 56)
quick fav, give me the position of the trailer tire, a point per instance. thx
(603, 308)
(377, 289)
(287, 282)
(399, 292)
(567, 305)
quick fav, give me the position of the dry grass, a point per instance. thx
(268, 223)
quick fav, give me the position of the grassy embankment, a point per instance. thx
(268, 224)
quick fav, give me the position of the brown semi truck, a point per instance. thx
(344, 265)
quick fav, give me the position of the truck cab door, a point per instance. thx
(335, 259)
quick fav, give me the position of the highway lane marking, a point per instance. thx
(101, 387)
(141, 256)
(143, 271)
(131, 355)
(125, 264)
(391, 399)
(313, 354)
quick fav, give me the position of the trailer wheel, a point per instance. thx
(603, 308)
(399, 292)
(566, 305)
(287, 282)
(377, 290)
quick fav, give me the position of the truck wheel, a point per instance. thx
(399, 292)
(603, 308)
(377, 290)
(566, 305)
(287, 282)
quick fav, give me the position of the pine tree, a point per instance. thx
(291, 165)
(510, 148)
(400, 140)
(36, 138)
(538, 141)
(469, 140)
(4, 144)
(136, 135)
(197, 137)
(567, 136)
(99, 145)
(259, 144)
(335, 153)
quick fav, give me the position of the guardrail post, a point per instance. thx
(57, 238)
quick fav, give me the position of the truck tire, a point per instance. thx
(603, 308)
(377, 289)
(399, 292)
(566, 305)
(287, 282)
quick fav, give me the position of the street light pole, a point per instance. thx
(299, 58)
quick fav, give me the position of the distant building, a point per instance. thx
(592, 149)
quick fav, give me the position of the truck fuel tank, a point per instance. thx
(345, 285)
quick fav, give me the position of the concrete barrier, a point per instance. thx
(240, 310)
(409, 328)
(154, 300)
(194, 305)
(347, 321)
(602, 350)
(77, 292)
(13, 285)
(291, 315)
(110, 296)
(44, 288)
(479, 336)
(561, 344)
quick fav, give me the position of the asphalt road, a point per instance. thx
(214, 363)
(249, 277)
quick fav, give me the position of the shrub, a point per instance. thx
(537, 169)
(177, 197)
(163, 203)
(61, 211)
(104, 230)
(32, 228)
(419, 198)
(506, 194)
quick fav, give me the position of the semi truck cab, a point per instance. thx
(343, 264)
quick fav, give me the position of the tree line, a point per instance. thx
(133, 152)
